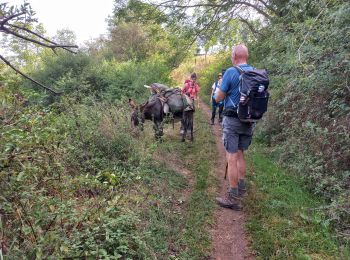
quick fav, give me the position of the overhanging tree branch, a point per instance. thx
(204, 28)
(15, 15)
(45, 39)
(250, 26)
(228, 10)
(51, 46)
(222, 4)
(27, 77)
(3, 22)
(255, 7)
(269, 7)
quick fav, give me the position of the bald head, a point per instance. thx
(240, 54)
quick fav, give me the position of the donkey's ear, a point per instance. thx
(132, 103)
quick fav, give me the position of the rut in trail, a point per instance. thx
(230, 242)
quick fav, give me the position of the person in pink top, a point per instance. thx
(191, 87)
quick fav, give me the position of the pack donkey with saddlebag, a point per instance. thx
(164, 103)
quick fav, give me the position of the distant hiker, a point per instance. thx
(237, 135)
(191, 87)
(214, 104)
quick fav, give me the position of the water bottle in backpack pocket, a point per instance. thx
(254, 95)
(254, 108)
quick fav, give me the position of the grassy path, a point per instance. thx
(283, 221)
(279, 222)
(229, 237)
(278, 218)
(194, 161)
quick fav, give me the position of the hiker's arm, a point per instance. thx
(225, 86)
(220, 95)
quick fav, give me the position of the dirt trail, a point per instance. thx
(229, 239)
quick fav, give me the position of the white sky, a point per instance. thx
(87, 18)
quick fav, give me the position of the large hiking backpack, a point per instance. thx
(253, 87)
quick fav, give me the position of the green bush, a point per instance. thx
(119, 80)
(62, 170)
(307, 122)
(209, 75)
(110, 80)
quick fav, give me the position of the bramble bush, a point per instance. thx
(72, 171)
(307, 125)
(63, 169)
(104, 79)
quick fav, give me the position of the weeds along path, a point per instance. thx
(195, 205)
(230, 241)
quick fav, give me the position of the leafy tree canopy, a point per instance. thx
(139, 29)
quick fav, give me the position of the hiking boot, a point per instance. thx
(242, 189)
(230, 201)
(242, 192)
(212, 121)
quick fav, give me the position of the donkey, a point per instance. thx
(154, 110)
(148, 111)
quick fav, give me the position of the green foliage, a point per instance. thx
(55, 68)
(135, 41)
(153, 31)
(81, 76)
(209, 74)
(70, 177)
(41, 153)
(127, 79)
(307, 122)
(286, 221)
(129, 11)
(193, 240)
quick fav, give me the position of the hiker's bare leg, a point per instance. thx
(232, 170)
(241, 165)
(231, 200)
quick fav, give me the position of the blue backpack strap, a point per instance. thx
(240, 70)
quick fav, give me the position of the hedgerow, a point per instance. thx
(307, 125)
(62, 168)
(306, 53)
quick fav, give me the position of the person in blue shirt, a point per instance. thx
(214, 105)
(237, 135)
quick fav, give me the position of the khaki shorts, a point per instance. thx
(236, 134)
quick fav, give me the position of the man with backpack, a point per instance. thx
(237, 129)
(214, 104)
